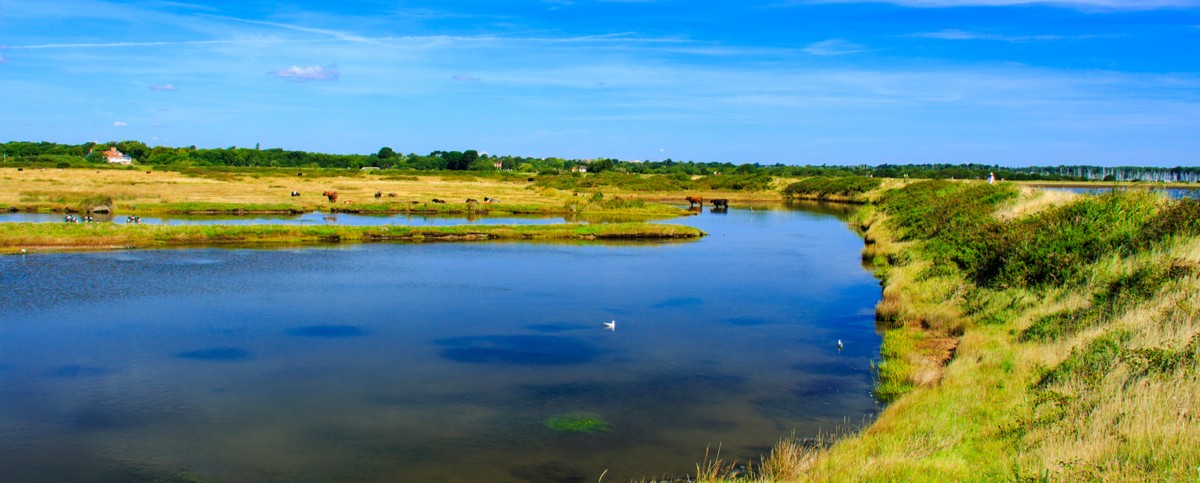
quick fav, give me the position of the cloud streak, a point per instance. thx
(164, 87)
(304, 74)
(956, 34)
(1087, 4)
(834, 47)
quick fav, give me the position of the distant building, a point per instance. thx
(578, 169)
(497, 165)
(117, 157)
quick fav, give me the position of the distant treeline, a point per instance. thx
(68, 155)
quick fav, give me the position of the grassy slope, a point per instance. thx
(1075, 356)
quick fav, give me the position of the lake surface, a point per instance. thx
(434, 362)
(1173, 193)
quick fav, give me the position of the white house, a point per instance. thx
(117, 157)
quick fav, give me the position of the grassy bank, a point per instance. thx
(1028, 336)
(32, 237)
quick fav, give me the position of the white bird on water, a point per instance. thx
(839, 344)
(611, 325)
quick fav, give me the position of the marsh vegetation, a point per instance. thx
(1029, 336)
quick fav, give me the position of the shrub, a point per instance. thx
(825, 186)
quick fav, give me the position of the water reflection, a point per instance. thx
(216, 354)
(327, 331)
(517, 349)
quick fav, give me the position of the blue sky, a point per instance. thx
(1010, 82)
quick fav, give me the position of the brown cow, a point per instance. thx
(694, 200)
(332, 195)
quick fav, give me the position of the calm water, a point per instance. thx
(1174, 193)
(436, 362)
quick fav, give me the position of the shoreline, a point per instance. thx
(17, 238)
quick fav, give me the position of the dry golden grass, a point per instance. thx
(131, 188)
(1033, 200)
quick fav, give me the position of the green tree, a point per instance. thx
(385, 153)
(469, 158)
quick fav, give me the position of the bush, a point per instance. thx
(825, 186)
(1055, 246)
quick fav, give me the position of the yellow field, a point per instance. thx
(131, 188)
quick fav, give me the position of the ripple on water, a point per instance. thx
(526, 350)
(678, 302)
(327, 331)
(70, 371)
(215, 354)
(562, 327)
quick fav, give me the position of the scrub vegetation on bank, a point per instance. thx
(1027, 336)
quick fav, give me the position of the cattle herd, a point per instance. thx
(332, 196)
(693, 201)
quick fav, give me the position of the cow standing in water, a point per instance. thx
(332, 195)
(720, 204)
(695, 200)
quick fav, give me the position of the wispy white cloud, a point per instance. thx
(305, 74)
(105, 45)
(465, 78)
(957, 34)
(163, 87)
(120, 124)
(834, 47)
(1088, 4)
(337, 34)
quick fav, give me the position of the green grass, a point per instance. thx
(1075, 335)
(15, 237)
(822, 187)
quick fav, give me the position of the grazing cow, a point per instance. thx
(391, 195)
(378, 195)
(332, 195)
(295, 193)
(720, 203)
(694, 200)
(490, 200)
(472, 200)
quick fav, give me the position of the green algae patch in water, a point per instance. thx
(578, 422)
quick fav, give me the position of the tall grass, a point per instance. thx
(1058, 342)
